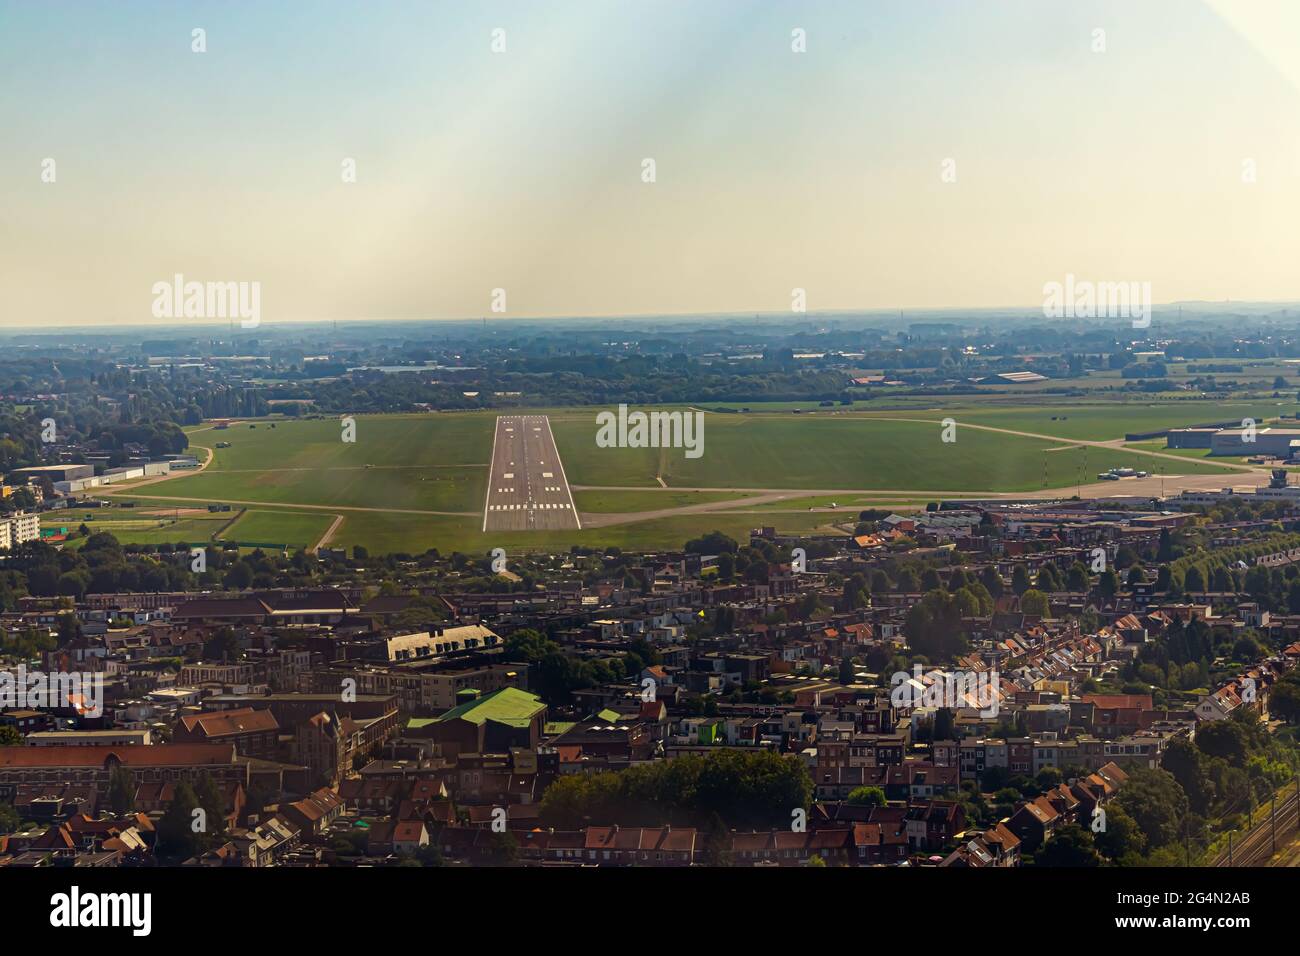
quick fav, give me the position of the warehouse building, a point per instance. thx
(1191, 437)
(55, 472)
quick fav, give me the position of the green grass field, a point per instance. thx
(411, 482)
(623, 502)
(419, 462)
(386, 533)
(847, 506)
(293, 529)
(846, 451)
(132, 528)
(1101, 421)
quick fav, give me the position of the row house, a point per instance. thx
(920, 781)
(1036, 821)
(996, 847)
(641, 846)
(932, 824)
(789, 848)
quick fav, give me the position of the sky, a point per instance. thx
(1171, 156)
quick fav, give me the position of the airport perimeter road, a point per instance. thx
(527, 489)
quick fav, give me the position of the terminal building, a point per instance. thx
(1277, 489)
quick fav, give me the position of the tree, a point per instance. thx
(222, 646)
(747, 789)
(1019, 579)
(1048, 580)
(1108, 583)
(1072, 845)
(934, 626)
(715, 542)
(1228, 739)
(10, 737)
(121, 790)
(945, 726)
(239, 576)
(213, 803)
(504, 848)
(846, 671)
(1190, 767)
(69, 627)
(1165, 552)
(1120, 837)
(1034, 603)
(992, 581)
(867, 797)
(1047, 778)
(1284, 701)
(528, 644)
(1156, 803)
(177, 834)
(726, 566)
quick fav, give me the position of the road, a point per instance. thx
(527, 487)
(328, 536)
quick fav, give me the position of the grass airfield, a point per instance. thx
(418, 481)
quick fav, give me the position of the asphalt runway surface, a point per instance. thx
(527, 488)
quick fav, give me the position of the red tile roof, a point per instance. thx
(134, 755)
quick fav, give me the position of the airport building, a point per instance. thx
(1274, 442)
(1190, 437)
(55, 472)
(1276, 490)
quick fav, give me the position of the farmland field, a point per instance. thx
(413, 482)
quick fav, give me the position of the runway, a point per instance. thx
(527, 487)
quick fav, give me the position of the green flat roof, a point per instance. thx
(509, 705)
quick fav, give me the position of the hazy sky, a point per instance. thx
(522, 170)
